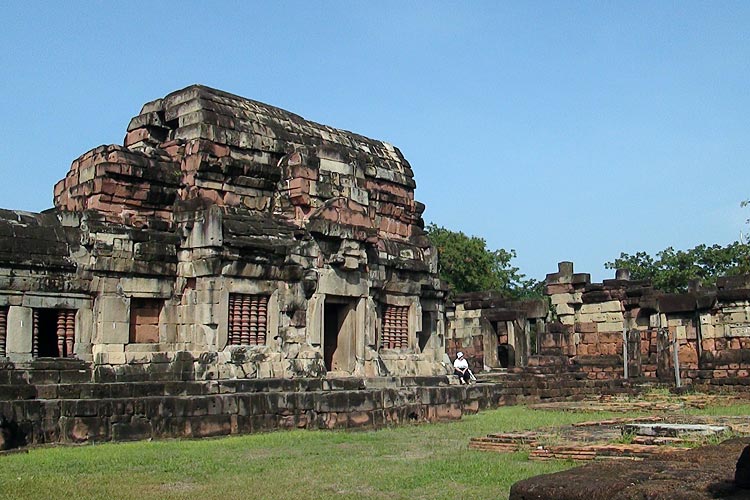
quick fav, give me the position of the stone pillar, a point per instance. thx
(60, 332)
(18, 338)
(84, 326)
(663, 371)
(70, 332)
(634, 353)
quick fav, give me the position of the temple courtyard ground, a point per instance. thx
(430, 461)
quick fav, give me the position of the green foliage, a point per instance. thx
(469, 266)
(672, 270)
(625, 438)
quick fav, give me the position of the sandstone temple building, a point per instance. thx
(235, 268)
(226, 238)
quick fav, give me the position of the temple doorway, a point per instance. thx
(339, 333)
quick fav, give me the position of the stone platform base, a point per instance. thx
(40, 405)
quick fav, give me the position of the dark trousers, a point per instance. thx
(464, 376)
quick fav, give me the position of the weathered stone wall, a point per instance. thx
(215, 203)
(49, 401)
(599, 324)
(493, 331)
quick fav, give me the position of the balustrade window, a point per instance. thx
(3, 329)
(395, 327)
(53, 333)
(248, 319)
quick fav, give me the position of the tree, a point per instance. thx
(672, 270)
(468, 266)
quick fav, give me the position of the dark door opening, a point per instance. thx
(506, 356)
(428, 326)
(332, 326)
(338, 333)
(47, 333)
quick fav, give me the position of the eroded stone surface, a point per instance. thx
(222, 222)
(674, 430)
(701, 473)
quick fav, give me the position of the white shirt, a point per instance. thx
(460, 364)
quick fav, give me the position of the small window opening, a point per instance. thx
(53, 333)
(395, 327)
(144, 320)
(248, 319)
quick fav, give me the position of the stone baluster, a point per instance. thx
(388, 327)
(70, 332)
(3, 329)
(399, 328)
(35, 333)
(384, 334)
(233, 320)
(253, 338)
(237, 335)
(245, 321)
(60, 333)
(404, 323)
(262, 319)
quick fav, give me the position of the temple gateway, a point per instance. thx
(226, 239)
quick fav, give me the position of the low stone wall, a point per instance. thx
(706, 330)
(76, 411)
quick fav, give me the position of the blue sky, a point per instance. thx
(563, 130)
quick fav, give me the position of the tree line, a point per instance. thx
(467, 265)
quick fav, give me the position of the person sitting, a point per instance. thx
(461, 368)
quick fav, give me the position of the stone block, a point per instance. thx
(611, 306)
(735, 317)
(557, 288)
(565, 298)
(654, 320)
(680, 332)
(137, 429)
(146, 287)
(614, 317)
(599, 318)
(586, 327)
(113, 332)
(112, 309)
(19, 331)
(84, 325)
(115, 358)
(564, 308)
(609, 327)
(99, 348)
(338, 167)
(568, 319)
(82, 429)
(331, 283)
(739, 331)
(591, 308)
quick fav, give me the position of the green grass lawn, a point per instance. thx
(414, 461)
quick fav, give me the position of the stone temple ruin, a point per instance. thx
(618, 329)
(250, 241)
(234, 268)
